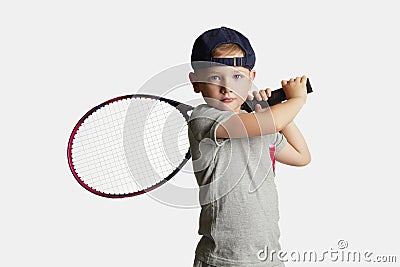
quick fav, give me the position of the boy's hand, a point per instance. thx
(295, 88)
(261, 95)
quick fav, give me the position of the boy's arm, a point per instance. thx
(295, 152)
(270, 120)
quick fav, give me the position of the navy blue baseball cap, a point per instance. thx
(205, 44)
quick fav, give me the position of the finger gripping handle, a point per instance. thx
(277, 96)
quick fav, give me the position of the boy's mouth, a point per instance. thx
(227, 99)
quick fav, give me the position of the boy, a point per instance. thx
(234, 152)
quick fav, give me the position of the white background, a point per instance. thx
(60, 58)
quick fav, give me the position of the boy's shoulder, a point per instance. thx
(206, 111)
(201, 111)
(205, 118)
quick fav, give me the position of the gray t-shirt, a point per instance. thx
(239, 201)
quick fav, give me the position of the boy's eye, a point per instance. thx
(214, 78)
(237, 76)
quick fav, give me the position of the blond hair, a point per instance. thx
(228, 49)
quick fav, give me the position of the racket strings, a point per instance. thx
(129, 145)
(159, 123)
(97, 153)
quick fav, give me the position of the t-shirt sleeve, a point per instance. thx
(280, 142)
(204, 122)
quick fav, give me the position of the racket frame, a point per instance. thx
(183, 109)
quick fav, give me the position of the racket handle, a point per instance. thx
(277, 96)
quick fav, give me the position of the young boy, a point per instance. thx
(234, 152)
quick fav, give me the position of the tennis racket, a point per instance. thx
(132, 144)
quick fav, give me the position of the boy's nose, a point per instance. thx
(224, 90)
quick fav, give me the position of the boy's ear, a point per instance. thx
(192, 78)
(252, 75)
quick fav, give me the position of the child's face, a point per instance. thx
(223, 87)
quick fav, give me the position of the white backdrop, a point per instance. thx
(60, 58)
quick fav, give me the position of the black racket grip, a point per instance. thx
(277, 96)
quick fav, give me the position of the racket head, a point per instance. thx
(97, 148)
